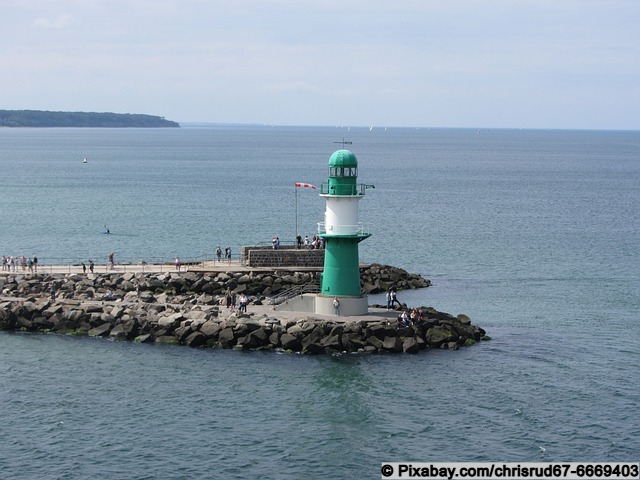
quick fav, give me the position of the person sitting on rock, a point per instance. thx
(243, 303)
(403, 319)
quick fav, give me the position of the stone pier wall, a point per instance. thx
(282, 257)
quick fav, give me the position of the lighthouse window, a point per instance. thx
(343, 171)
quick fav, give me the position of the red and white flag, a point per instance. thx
(305, 185)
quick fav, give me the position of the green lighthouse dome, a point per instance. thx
(343, 158)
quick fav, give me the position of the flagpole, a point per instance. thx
(296, 185)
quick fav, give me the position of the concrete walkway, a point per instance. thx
(205, 266)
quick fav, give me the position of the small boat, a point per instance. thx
(84, 160)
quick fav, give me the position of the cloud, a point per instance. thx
(61, 21)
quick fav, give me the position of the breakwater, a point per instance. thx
(186, 308)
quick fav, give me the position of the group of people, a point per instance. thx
(84, 267)
(315, 243)
(392, 298)
(231, 298)
(406, 318)
(24, 264)
(12, 264)
(227, 254)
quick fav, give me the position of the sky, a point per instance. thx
(564, 64)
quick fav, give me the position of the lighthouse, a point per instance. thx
(342, 233)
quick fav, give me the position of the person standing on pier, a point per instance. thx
(227, 298)
(336, 306)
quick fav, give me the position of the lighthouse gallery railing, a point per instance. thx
(358, 229)
(357, 189)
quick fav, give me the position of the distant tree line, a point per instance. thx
(39, 118)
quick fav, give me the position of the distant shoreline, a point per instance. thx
(48, 119)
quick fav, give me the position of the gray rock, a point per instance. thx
(170, 321)
(195, 339)
(409, 345)
(314, 338)
(100, 331)
(290, 342)
(352, 342)
(332, 342)
(392, 344)
(118, 333)
(375, 342)
(437, 335)
(227, 338)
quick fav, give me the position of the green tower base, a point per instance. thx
(341, 274)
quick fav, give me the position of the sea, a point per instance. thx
(534, 234)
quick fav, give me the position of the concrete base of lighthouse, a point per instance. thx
(349, 306)
(322, 304)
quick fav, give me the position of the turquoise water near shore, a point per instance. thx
(534, 234)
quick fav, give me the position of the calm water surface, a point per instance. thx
(534, 234)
